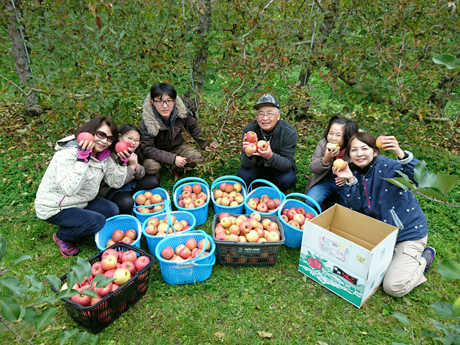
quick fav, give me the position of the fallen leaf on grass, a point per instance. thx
(219, 335)
(263, 334)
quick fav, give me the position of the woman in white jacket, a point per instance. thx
(67, 195)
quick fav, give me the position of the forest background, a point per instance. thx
(63, 62)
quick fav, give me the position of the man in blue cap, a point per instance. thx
(275, 162)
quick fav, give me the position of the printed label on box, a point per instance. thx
(346, 276)
(360, 259)
(335, 249)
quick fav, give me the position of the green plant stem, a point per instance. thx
(12, 330)
(436, 200)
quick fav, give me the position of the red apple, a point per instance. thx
(123, 146)
(109, 273)
(85, 136)
(96, 269)
(167, 253)
(300, 210)
(141, 262)
(250, 136)
(101, 292)
(379, 141)
(126, 240)
(309, 215)
(129, 255)
(191, 243)
(291, 214)
(187, 188)
(109, 263)
(130, 267)
(132, 234)
(81, 299)
(110, 251)
(117, 235)
(250, 148)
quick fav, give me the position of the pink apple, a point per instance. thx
(101, 292)
(123, 146)
(185, 253)
(129, 255)
(291, 213)
(250, 149)
(309, 215)
(191, 243)
(221, 236)
(117, 235)
(167, 253)
(299, 218)
(262, 207)
(300, 210)
(110, 252)
(262, 145)
(130, 267)
(109, 273)
(96, 269)
(109, 262)
(187, 188)
(250, 137)
(285, 218)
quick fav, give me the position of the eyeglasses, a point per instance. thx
(161, 102)
(102, 135)
(268, 114)
(132, 140)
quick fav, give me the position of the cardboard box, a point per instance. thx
(347, 252)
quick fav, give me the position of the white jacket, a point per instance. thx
(70, 183)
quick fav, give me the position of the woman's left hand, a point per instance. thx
(210, 147)
(391, 144)
(345, 174)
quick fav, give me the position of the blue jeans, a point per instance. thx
(323, 190)
(283, 180)
(76, 223)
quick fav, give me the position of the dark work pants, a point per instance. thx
(283, 180)
(76, 223)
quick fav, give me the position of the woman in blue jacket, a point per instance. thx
(367, 192)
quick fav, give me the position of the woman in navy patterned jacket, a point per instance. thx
(367, 192)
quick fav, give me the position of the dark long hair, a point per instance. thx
(93, 125)
(127, 128)
(365, 137)
(349, 128)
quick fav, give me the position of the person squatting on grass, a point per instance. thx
(136, 179)
(276, 163)
(164, 117)
(367, 192)
(67, 194)
(323, 183)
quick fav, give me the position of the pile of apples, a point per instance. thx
(229, 194)
(192, 196)
(244, 229)
(118, 235)
(157, 227)
(150, 199)
(264, 204)
(296, 217)
(190, 250)
(119, 265)
(254, 145)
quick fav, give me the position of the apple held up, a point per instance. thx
(122, 146)
(85, 136)
(340, 164)
(379, 142)
(250, 137)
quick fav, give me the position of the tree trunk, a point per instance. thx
(20, 57)
(327, 26)
(191, 97)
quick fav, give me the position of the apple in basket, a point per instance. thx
(141, 262)
(131, 233)
(109, 262)
(167, 253)
(309, 215)
(129, 255)
(130, 267)
(121, 275)
(117, 235)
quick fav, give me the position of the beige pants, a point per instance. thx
(152, 167)
(406, 268)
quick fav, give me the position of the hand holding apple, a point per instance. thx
(264, 150)
(390, 143)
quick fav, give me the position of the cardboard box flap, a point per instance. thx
(354, 223)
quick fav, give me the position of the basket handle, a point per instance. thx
(195, 179)
(229, 177)
(168, 216)
(305, 197)
(267, 183)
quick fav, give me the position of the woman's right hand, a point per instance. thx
(180, 161)
(84, 150)
(328, 155)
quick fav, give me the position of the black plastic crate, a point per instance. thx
(245, 253)
(95, 318)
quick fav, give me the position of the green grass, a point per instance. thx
(234, 304)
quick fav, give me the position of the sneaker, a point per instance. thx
(67, 249)
(429, 253)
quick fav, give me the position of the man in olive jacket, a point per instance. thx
(276, 162)
(164, 118)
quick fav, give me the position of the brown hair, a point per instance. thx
(365, 137)
(93, 125)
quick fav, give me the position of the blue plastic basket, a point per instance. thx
(122, 222)
(143, 216)
(229, 179)
(293, 235)
(152, 241)
(188, 271)
(271, 190)
(200, 213)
